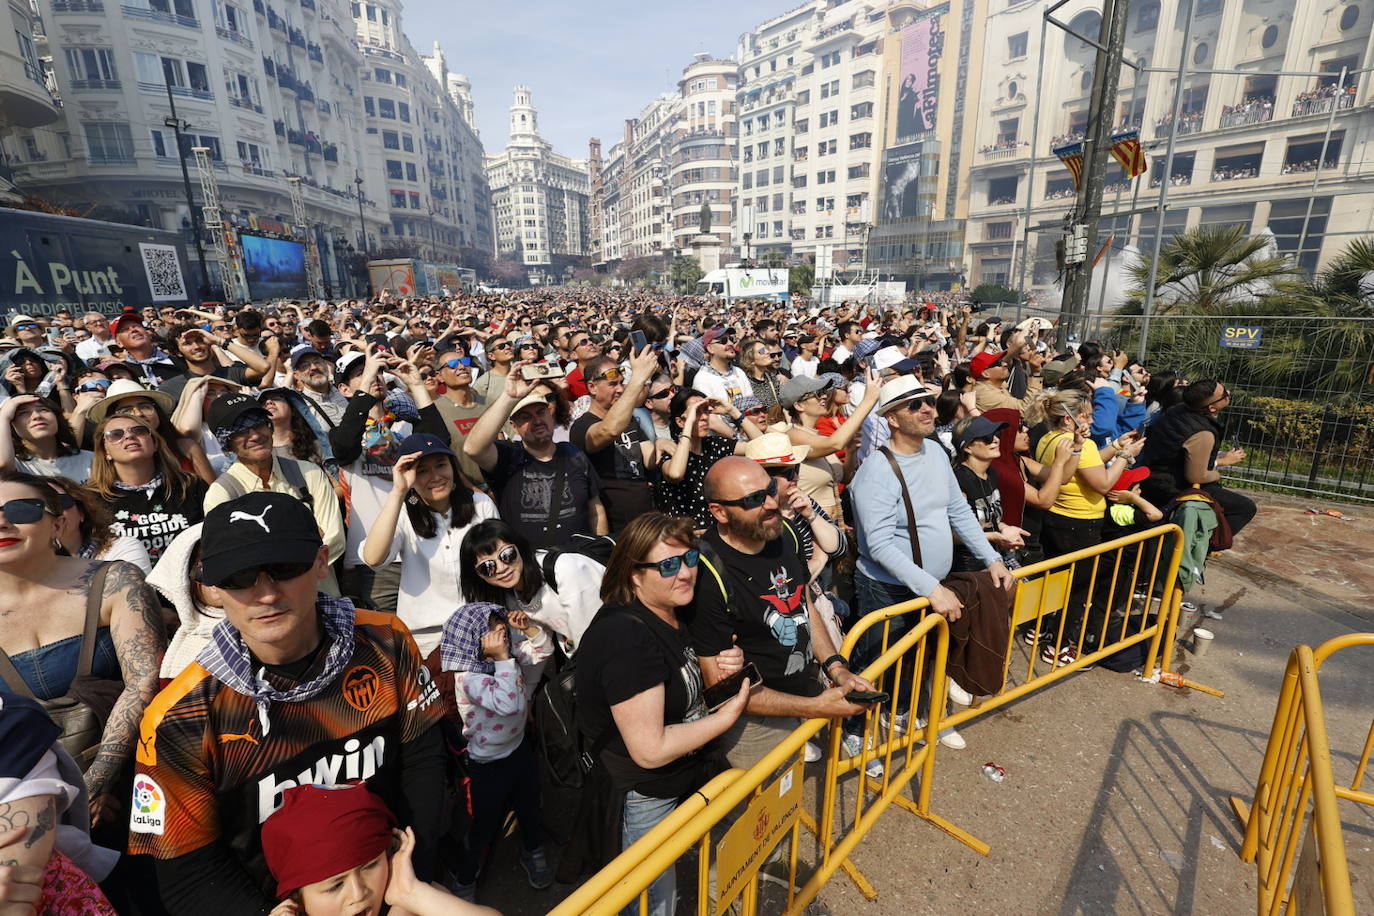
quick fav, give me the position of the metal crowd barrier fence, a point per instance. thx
(1297, 769)
(1127, 595)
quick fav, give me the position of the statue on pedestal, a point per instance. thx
(704, 218)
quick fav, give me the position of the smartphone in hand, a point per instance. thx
(638, 342)
(720, 693)
(867, 697)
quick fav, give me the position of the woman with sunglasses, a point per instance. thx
(498, 565)
(640, 693)
(682, 488)
(977, 445)
(155, 409)
(426, 539)
(88, 528)
(35, 439)
(136, 475)
(806, 402)
(45, 597)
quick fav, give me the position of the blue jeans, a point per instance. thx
(871, 595)
(642, 813)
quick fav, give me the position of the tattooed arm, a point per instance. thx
(28, 828)
(140, 638)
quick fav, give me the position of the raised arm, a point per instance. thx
(480, 445)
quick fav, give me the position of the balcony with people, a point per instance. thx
(1237, 163)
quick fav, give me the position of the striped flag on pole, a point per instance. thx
(1071, 154)
(1126, 149)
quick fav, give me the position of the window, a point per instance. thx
(761, 178)
(827, 147)
(394, 170)
(826, 177)
(829, 118)
(408, 143)
(372, 17)
(763, 150)
(370, 106)
(92, 64)
(404, 110)
(804, 97)
(830, 60)
(862, 80)
(799, 181)
(398, 199)
(830, 88)
(825, 204)
(198, 76)
(1271, 35)
(159, 144)
(1016, 45)
(390, 140)
(400, 79)
(382, 75)
(861, 110)
(778, 174)
(1147, 20)
(860, 141)
(410, 172)
(748, 180)
(414, 200)
(1007, 129)
(859, 171)
(1349, 16)
(763, 122)
(386, 108)
(801, 126)
(996, 231)
(109, 142)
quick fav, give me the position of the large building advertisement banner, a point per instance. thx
(901, 182)
(923, 45)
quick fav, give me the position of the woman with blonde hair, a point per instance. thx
(136, 474)
(1074, 521)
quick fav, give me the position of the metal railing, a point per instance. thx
(1302, 391)
(1297, 769)
(137, 12)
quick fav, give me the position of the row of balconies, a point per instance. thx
(189, 22)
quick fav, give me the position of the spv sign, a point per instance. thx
(1241, 337)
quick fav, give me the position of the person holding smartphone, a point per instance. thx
(641, 697)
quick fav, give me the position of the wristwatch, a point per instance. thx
(825, 665)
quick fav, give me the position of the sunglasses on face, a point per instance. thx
(671, 566)
(119, 432)
(504, 345)
(790, 472)
(426, 373)
(610, 375)
(754, 500)
(26, 327)
(247, 578)
(222, 328)
(915, 404)
(984, 440)
(507, 556)
(24, 511)
(65, 500)
(665, 393)
(96, 385)
(457, 363)
(776, 354)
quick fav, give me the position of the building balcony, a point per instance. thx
(308, 5)
(96, 85)
(323, 107)
(275, 22)
(245, 104)
(315, 53)
(188, 22)
(1320, 101)
(236, 37)
(26, 104)
(330, 153)
(252, 168)
(78, 6)
(387, 53)
(269, 67)
(296, 38)
(1251, 111)
(110, 159)
(1190, 123)
(1002, 151)
(202, 93)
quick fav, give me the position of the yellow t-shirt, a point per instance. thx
(1076, 498)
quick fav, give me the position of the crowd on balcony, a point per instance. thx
(1003, 143)
(1234, 174)
(1308, 165)
(1318, 100)
(1255, 110)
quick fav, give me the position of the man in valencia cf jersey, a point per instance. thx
(294, 688)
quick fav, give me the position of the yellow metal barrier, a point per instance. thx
(1116, 583)
(1297, 769)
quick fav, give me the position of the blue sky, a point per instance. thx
(590, 65)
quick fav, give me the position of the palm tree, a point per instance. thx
(1204, 269)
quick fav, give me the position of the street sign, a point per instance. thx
(1241, 337)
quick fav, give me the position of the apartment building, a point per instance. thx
(701, 167)
(539, 198)
(606, 201)
(1248, 144)
(26, 97)
(274, 89)
(645, 221)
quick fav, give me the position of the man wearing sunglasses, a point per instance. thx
(500, 354)
(613, 441)
(720, 378)
(26, 331)
(294, 688)
(887, 572)
(460, 407)
(763, 610)
(1183, 450)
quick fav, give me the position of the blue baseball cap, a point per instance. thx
(424, 444)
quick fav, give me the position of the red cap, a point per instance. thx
(979, 364)
(1130, 477)
(322, 831)
(121, 318)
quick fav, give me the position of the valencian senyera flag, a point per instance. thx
(1071, 154)
(1126, 149)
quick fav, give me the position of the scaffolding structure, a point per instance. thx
(223, 246)
(312, 253)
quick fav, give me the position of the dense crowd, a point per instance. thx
(287, 589)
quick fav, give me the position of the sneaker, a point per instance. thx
(536, 868)
(1067, 656)
(813, 753)
(1189, 606)
(1211, 614)
(1029, 638)
(948, 736)
(959, 695)
(897, 723)
(853, 746)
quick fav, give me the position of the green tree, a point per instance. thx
(773, 258)
(996, 292)
(636, 270)
(1203, 270)
(801, 278)
(684, 273)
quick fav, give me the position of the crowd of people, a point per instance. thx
(284, 586)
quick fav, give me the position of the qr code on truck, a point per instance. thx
(163, 267)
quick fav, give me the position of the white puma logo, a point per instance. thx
(240, 516)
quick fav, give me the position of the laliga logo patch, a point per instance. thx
(150, 806)
(360, 687)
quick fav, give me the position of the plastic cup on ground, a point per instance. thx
(1202, 641)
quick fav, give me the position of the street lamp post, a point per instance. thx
(177, 126)
(362, 227)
